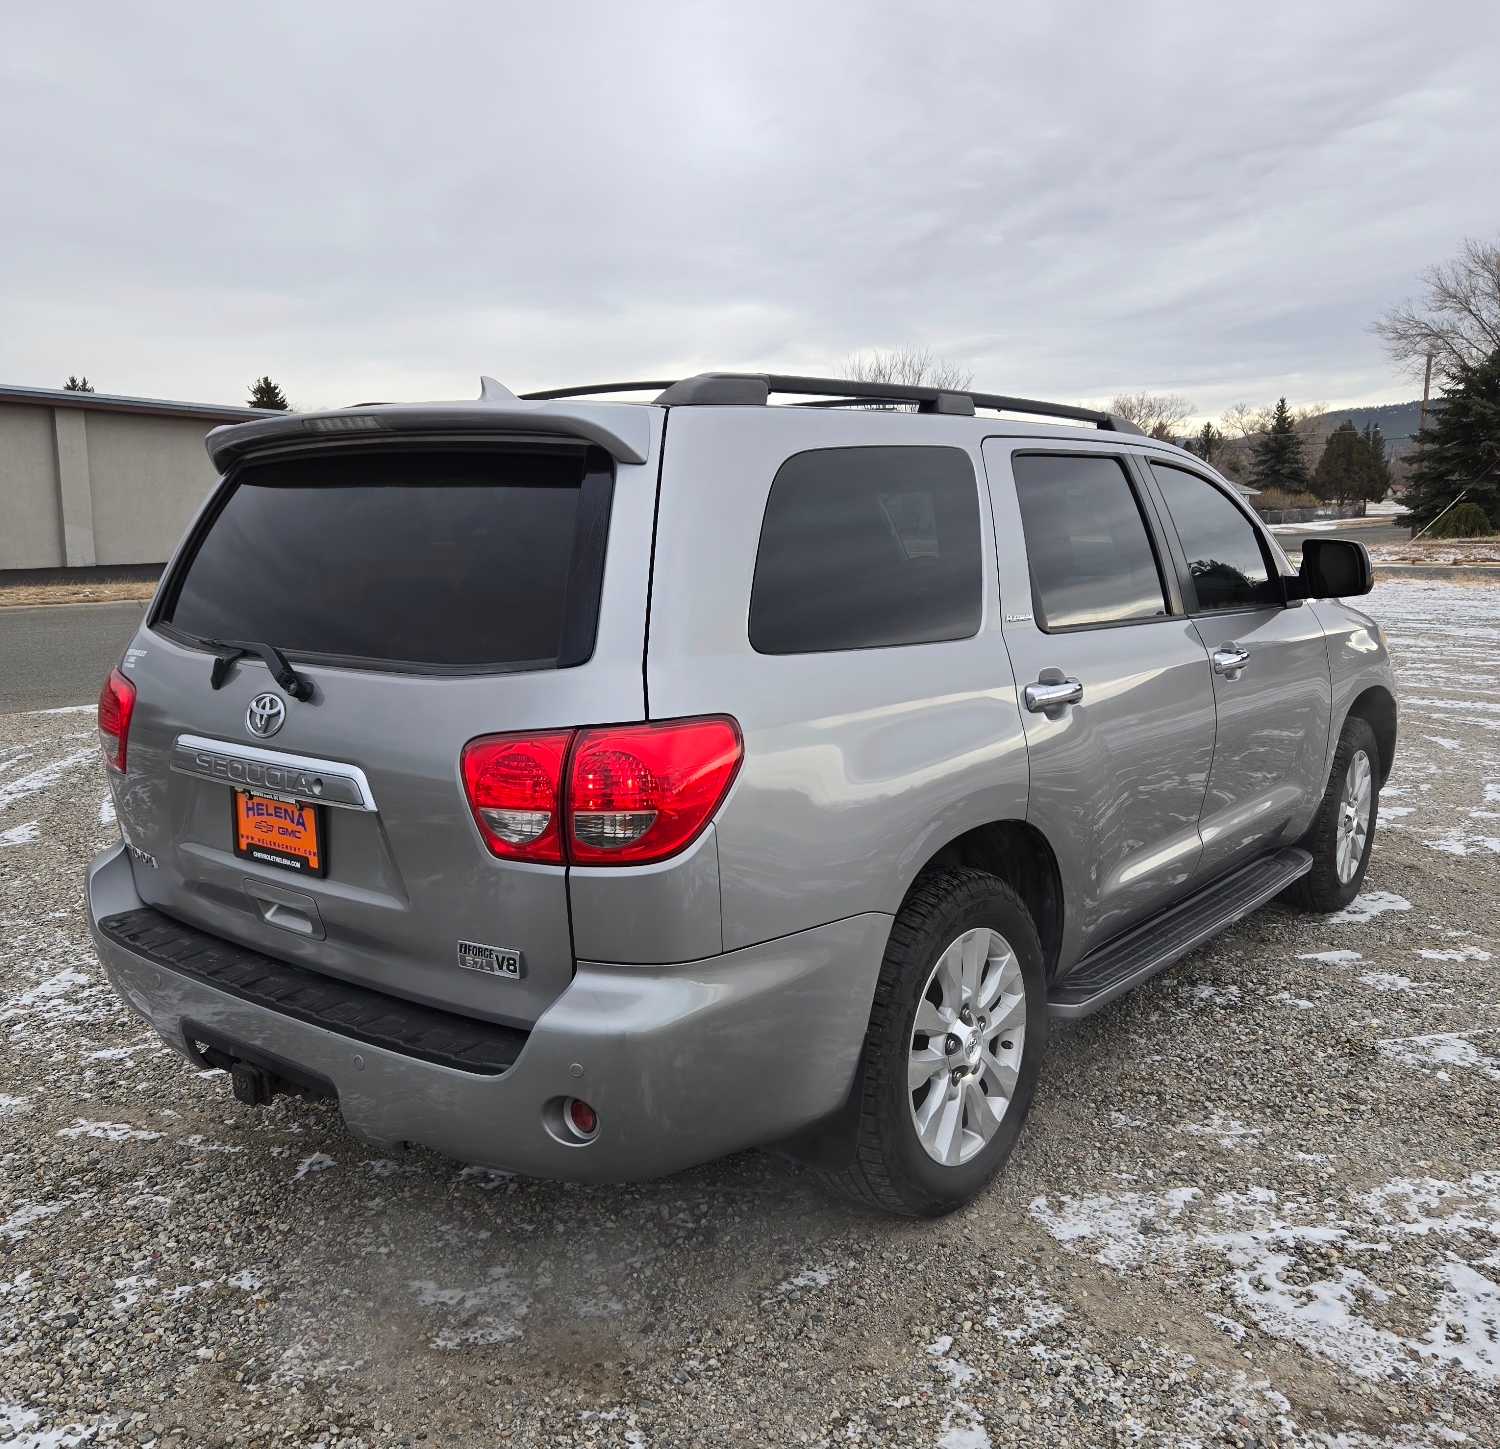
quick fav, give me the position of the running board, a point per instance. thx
(1114, 968)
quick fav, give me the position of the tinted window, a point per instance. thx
(455, 560)
(1091, 557)
(865, 547)
(1223, 550)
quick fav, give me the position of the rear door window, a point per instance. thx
(1229, 568)
(865, 548)
(1091, 557)
(458, 561)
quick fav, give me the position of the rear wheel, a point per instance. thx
(1343, 833)
(955, 1043)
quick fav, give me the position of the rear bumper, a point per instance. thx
(683, 1063)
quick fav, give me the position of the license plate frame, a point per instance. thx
(297, 845)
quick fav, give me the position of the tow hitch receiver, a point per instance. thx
(255, 1076)
(253, 1085)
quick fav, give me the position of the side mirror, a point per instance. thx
(1334, 568)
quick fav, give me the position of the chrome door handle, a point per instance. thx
(1052, 693)
(1229, 660)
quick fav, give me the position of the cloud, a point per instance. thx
(381, 201)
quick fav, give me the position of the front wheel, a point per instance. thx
(957, 1033)
(1343, 833)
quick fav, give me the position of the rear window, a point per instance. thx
(466, 561)
(865, 548)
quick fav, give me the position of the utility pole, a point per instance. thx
(1426, 391)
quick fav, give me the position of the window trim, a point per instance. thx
(1166, 577)
(581, 605)
(1179, 550)
(981, 512)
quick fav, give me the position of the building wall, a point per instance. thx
(30, 516)
(149, 475)
(80, 486)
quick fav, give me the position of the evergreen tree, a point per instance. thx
(266, 394)
(1278, 460)
(1459, 449)
(1379, 463)
(77, 384)
(1344, 468)
(1207, 442)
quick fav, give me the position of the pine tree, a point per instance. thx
(1459, 449)
(1379, 463)
(266, 394)
(1207, 442)
(1344, 467)
(77, 384)
(1278, 454)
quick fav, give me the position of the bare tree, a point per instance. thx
(909, 367)
(1244, 420)
(1457, 323)
(1158, 413)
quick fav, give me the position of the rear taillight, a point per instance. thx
(619, 795)
(514, 785)
(639, 793)
(116, 705)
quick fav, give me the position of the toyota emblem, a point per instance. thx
(266, 715)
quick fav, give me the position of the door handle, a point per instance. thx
(1052, 693)
(1229, 660)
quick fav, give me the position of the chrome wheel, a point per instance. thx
(1354, 817)
(966, 1045)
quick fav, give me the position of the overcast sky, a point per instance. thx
(1073, 201)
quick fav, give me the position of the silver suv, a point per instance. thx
(593, 788)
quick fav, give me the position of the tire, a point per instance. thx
(888, 1166)
(1323, 888)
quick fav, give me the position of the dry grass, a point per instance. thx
(29, 595)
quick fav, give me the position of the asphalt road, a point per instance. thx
(59, 654)
(1366, 531)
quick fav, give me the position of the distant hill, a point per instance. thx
(1398, 421)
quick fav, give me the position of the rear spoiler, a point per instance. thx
(623, 430)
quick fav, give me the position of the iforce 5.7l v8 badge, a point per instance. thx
(492, 960)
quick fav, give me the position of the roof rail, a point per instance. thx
(753, 389)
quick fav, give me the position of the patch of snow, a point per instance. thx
(9, 1104)
(1216, 995)
(21, 834)
(245, 1280)
(1390, 981)
(43, 778)
(1444, 742)
(808, 1278)
(108, 1131)
(317, 1162)
(1366, 907)
(20, 1426)
(1453, 953)
(24, 1214)
(1226, 1131)
(107, 810)
(488, 1313)
(1332, 958)
(1300, 1002)
(1458, 842)
(1441, 1049)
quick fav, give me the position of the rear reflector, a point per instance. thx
(639, 793)
(116, 705)
(630, 794)
(514, 785)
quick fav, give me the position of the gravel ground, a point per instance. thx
(1258, 1201)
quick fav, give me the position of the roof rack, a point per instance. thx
(753, 389)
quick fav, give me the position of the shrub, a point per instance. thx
(1465, 521)
(1282, 498)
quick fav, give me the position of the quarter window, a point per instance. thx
(1225, 558)
(1091, 557)
(864, 548)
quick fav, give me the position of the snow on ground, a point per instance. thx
(1257, 1196)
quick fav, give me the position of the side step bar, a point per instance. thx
(1113, 968)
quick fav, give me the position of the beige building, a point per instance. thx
(86, 478)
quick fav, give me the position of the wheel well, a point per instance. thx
(1019, 854)
(1377, 707)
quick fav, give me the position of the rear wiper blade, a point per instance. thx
(228, 651)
